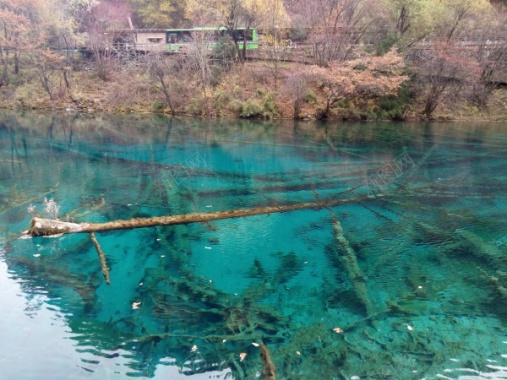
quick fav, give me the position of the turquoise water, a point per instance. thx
(406, 279)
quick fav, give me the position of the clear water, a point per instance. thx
(415, 285)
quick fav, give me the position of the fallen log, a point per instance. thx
(349, 260)
(483, 249)
(49, 227)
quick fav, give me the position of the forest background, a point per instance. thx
(321, 59)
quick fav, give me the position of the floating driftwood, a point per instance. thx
(49, 227)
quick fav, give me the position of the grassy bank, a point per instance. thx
(254, 90)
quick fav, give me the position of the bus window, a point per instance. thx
(248, 34)
(186, 36)
(172, 38)
(240, 36)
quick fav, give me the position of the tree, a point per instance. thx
(407, 22)
(336, 26)
(368, 77)
(459, 16)
(61, 29)
(96, 19)
(442, 68)
(47, 63)
(491, 52)
(199, 58)
(277, 49)
(16, 26)
(297, 85)
(235, 14)
(159, 13)
(29, 27)
(166, 73)
(499, 4)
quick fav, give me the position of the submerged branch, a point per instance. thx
(102, 258)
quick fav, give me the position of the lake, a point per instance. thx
(391, 265)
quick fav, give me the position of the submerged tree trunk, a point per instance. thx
(48, 227)
(268, 367)
(102, 258)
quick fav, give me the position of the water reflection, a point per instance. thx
(406, 279)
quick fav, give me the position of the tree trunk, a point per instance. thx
(48, 227)
(268, 366)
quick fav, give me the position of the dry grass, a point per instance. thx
(255, 84)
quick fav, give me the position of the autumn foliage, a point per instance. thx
(347, 59)
(368, 77)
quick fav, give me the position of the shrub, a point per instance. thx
(387, 43)
(269, 109)
(264, 108)
(196, 106)
(224, 50)
(158, 106)
(236, 106)
(260, 91)
(298, 34)
(250, 109)
(215, 76)
(394, 107)
(237, 91)
(221, 99)
(310, 97)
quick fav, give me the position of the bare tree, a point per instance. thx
(199, 57)
(297, 85)
(492, 56)
(49, 65)
(337, 26)
(444, 67)
(166, 73)
(276, 50)
(96, 20)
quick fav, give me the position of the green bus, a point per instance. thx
(178, 39)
